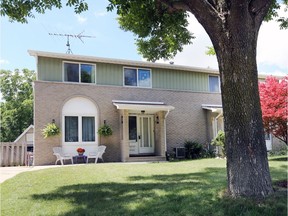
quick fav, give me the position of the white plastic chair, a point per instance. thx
(57, 151)
(93, 155)
(98, 154)
(101, 150)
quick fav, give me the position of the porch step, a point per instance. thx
(147, 159)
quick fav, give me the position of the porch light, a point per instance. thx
(142, 111)
(157, 119)
(53, 121)
(121, 119)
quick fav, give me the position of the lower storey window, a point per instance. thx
(79, 129)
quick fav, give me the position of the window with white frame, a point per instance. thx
(214, 84)
(137, 77)
(79, 72)
(84, 133)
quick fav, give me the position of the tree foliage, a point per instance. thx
(20, 10)
(274, 104)
(160, 32)
(219, 140)
(17, 104)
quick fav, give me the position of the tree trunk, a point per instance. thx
(233, 29)
(247, 163)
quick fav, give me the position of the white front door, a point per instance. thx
(141, 134)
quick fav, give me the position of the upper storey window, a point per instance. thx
(137, 77)
(214, 84)
(78, 72)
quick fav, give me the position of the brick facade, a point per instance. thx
(187, 122)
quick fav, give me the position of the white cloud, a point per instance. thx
(273, 46)
(80, 19)
(4, 62)
(274, 73)
(101, 13)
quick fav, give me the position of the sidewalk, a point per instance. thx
(9, 172)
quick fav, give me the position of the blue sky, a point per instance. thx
(112, 42)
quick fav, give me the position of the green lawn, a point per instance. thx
(177, 188)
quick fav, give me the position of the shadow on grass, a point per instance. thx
(279, 159)
(177, 194)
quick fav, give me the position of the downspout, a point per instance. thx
(165, 138)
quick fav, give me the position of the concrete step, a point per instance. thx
(147, 159)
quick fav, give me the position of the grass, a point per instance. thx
(181, 188)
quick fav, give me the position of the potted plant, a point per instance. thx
(105, 130)
(51, 129)
(80, 151)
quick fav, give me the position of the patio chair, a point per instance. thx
(93, 155)
(101, 150)
(57, 151)
(98, 154)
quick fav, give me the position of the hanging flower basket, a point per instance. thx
(105, 130)
(51, 129)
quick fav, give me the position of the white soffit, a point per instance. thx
(213, 107)
(141, 105)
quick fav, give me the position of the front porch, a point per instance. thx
(142, 130)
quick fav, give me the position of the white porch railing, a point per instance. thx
(14, 154)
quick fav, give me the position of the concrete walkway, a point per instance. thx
(9, 172)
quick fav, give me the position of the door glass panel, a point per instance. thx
(132, 127)
(145, 133)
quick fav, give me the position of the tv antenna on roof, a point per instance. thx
(79, 36)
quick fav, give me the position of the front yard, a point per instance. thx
(194, 187)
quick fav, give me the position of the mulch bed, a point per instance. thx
(282, 183)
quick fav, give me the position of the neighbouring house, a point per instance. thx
(152, 108)
(27, 137)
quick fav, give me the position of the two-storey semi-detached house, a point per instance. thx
(152, 108)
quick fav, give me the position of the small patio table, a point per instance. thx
(79, 159)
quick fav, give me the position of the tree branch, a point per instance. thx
(175, 6)
(259, 9)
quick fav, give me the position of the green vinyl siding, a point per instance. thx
(109, 74)
(49, 69)
(179, 80)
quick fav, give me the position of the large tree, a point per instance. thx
(233, 26)
(17, 104)
(274, 104)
